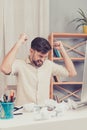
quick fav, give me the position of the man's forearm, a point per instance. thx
(68, 63)
(9, 59)
(6, 65)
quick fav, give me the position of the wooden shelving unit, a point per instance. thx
(69, 48)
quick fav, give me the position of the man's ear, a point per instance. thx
(31, 50)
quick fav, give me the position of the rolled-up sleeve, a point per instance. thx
(59, 70)
(15, 67)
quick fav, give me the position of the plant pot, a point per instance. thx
(85, 29)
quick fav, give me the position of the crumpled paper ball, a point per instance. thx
(31, 107)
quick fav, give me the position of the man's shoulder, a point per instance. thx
(51, 63)
(48, 61)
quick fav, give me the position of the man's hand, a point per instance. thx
(58, 45)
(6, 66)
(23, 38)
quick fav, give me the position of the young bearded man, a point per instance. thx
(34, 73)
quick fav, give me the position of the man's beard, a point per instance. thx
(38, 63)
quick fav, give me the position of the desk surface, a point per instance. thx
(76, 119)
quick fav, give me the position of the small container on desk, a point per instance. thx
(6, 110)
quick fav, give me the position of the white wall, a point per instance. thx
(62, 12)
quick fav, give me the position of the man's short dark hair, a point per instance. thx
(41, 45)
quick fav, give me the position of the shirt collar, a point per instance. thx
(28, 60)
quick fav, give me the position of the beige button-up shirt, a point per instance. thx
(33, 84)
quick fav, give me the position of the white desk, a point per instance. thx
(71, 120)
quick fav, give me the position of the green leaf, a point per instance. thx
(82, 13)
(82, 20)
(82, 24)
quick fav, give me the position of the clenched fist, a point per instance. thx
(23, 38)
(58, 45)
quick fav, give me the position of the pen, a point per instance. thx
(17, 108)
(12, 96)
(18, 113)
(5, 98)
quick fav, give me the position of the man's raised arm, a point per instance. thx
(68, 62)
(8, 60)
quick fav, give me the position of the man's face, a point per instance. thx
(37, 58)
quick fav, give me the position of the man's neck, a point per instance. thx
(32, 62)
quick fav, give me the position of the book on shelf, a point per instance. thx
(59, 79)
(55, 78)
(56, 53)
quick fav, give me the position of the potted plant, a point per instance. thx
(82, 20)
